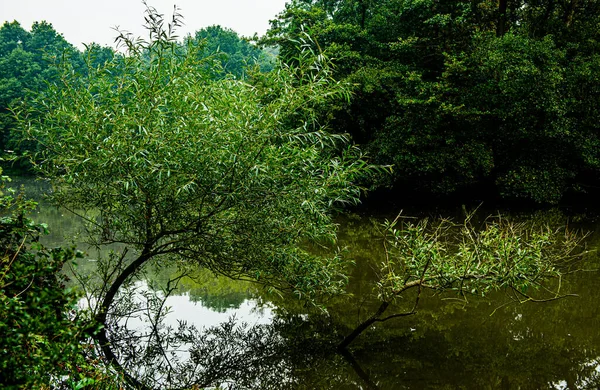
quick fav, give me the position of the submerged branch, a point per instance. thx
(408, 313)
(531, 299)
(364, 376)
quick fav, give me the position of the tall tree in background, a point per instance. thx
(465, 94)
(26, 59)
(236, 55)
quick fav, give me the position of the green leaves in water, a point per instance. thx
(474, 258)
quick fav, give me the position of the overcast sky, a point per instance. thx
(85, 21)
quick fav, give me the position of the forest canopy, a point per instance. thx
(465, 96)
(477, 99)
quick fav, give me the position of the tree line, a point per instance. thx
(467, 98)
(463, 97)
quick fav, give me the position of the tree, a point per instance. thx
(484, 97)
(96, 56)
(235, 54)
(469, 260)
(220, 174)
(26, 65)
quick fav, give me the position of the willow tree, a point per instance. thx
(523, 259)
(222, 174)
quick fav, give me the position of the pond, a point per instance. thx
(450, 343)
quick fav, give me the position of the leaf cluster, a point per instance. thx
(231, 176)
(475, 259)
(463, 97)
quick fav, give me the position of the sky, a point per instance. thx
(86, 21)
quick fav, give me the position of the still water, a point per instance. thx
(450, 344)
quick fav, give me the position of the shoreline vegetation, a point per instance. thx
(329, 329)
(238, 158)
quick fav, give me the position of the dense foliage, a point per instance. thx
(41, 338)
(470, 97)
(163, 158)
(179, 154)
(29, 62)
(470, 259)
(459, 95)
(26, 59)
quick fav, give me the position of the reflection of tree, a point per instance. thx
(217, 293)
(447, 345)
(214, 292)
(527, 347)
(232, 354)
(220, 303)
(517, 347)
(450, 344)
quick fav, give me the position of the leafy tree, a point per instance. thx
(466, 94)
(236, 55)
(216, 173)
(469, 260)
(26, 66)
(95, 56)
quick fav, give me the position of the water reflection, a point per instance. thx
(165, 340)
(449, 344)
(182, 307)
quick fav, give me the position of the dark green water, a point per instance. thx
(448, 344)
(483, 344)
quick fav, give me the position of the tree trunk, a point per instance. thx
(363, 326)
(502, 8)
(541, 28)
(363, 12)
(101, 317)
(568, 18)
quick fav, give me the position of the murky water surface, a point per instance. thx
(450, 344)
